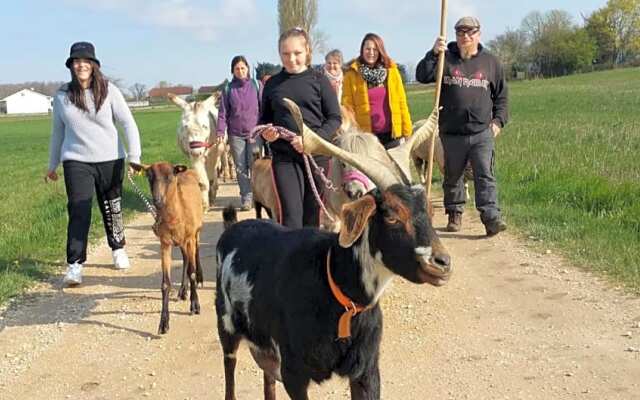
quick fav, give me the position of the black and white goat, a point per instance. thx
(307, 300)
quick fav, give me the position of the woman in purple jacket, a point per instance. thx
(239, 111)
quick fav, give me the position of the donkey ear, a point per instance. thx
(355, 216)
(217, 97)
(178, 101)
(211, 101)
(179, 169)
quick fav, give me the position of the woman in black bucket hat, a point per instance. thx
(85, 139)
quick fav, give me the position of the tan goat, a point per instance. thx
(264, 195)
(177, 198)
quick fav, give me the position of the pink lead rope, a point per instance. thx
(287, 135)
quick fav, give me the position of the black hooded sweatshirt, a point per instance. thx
(474, 91)
(317, 100)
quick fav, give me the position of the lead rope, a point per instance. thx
(288, 136)
(144, 199)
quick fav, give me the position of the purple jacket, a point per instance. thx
(239, 108)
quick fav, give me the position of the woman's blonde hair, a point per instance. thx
(335, 53)
(297, 32)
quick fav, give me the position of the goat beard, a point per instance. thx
(466, 52)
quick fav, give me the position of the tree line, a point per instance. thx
(552, 44)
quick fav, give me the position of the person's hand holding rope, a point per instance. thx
(296, 142)
(270, 134)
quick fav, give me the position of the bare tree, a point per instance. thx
(119, 82)
(139, 91)
(303, 14)
(511, 47)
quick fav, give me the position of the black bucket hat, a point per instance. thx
(82, 50)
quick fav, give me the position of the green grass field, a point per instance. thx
(33, 214)
(568, 168)
(566, 163)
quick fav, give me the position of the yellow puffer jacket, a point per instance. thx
(356, 96)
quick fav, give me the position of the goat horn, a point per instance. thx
(378, 172)
(403, 154)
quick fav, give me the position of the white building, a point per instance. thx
(26, 101)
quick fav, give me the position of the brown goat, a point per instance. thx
(177, 198)
(264, 195)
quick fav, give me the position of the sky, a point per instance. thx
(193, 41)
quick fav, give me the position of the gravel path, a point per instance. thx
(511, 324)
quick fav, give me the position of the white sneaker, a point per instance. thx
(120, 259)
(73, 275)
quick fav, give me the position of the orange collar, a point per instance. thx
(350, 308)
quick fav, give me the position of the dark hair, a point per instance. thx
(384, 57)
(235, 60)
(296, 32)
(99, 87)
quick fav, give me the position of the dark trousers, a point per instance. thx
(297, 202)
(479, 150)
(82, 180)
(387, 140)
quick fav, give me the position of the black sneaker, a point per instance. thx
(494, 227)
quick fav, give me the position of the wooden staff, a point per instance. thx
(443, 28)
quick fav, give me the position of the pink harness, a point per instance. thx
(355, 175)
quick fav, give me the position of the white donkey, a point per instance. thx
(197, 139)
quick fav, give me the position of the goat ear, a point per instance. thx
(179, 168)
(355, 216)
(138, 167)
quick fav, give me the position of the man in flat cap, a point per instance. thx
(474, 109)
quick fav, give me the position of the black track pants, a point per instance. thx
(81, 180)
(297, 202)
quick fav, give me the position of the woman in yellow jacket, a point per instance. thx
(372, 88)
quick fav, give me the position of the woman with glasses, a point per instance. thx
(474, 109)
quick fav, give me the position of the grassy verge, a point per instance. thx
(568, 168)
(33, 214)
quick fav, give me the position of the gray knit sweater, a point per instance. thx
(90, 136)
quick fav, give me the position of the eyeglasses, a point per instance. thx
(468, 32)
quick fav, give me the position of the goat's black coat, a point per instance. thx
(291, 305)
(292, 288)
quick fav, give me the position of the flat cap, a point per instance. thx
(467, 22)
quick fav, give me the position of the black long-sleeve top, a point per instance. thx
(474, 91)
(313, 93)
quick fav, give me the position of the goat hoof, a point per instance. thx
(195, 307)
(163, 328)
(182, 293)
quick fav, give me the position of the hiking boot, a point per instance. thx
(246, 206)
(120, 259)
(455, 222)
(494, 227)
(73, 276)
